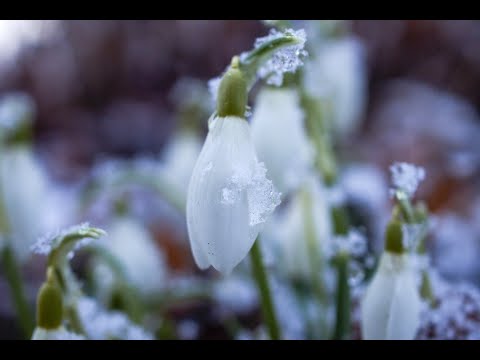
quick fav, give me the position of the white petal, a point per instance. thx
(280, 139)
(225, 207)
(376, 306)
(405, 309)
(390, 308)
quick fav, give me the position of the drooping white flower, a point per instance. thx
(23, 186)
(391, 306)
(337, 74)
(229, 196)
(134, 247)
(306, 218)
(55, 334)
(287, 153)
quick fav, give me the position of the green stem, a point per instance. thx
(14, 279)
(342, 322)
(261, 279)
(316, 121)
(316, 263)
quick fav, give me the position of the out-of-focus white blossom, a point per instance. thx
(290, 234)
(280, 138)
(337, 74)
(177, 162)
(143, 261)
(23, 186)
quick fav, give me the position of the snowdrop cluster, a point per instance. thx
(283, 237)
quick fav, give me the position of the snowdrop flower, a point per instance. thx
(286, 152)
(50, 313)
(23, 186)
(338, 75)
(391, 305)
(229, 196)
(133, 246)
(290, 230)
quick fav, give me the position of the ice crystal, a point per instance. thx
(406, 177)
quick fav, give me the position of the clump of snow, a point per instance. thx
(261, 194)
(406, 177)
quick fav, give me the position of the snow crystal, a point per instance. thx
(102, 324)
(285, 60)
(406, 177)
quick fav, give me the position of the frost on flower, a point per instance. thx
(101, 324)
(285, 60)
(406, 177)
(72, 238)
